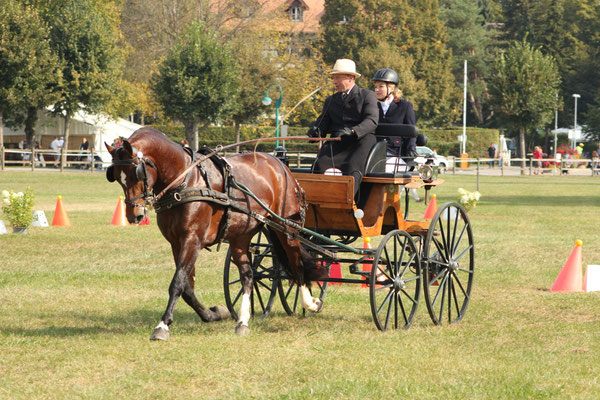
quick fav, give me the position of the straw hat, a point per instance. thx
(344, 66)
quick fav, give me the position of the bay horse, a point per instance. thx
(205, 209)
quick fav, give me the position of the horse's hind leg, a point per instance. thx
(239, 254)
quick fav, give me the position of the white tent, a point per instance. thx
(96, 128)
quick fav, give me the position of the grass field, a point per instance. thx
(78, 304)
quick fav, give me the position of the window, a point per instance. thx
(296, 14)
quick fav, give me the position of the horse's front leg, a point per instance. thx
(182, 284)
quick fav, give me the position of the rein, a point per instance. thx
(153, 200)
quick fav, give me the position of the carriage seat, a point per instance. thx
(376, 161)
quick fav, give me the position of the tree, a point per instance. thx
(197, 81)
(28, 69)
(523, 89)
(409, 28)
(84, 35)
(469, 40)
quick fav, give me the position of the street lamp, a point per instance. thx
(574, 143)
(267, 102)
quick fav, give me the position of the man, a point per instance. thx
(352, 115)
(55, 145)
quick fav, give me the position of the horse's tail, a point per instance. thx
(309, 269)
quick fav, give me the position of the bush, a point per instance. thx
(17, 207)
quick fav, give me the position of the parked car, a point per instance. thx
(427, 156)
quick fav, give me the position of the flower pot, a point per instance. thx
(20, 229)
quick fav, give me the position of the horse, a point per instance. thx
(206, 208)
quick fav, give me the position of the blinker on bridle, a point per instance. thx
(141, 175)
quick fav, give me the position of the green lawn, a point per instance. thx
(78, 304)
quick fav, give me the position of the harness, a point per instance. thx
(184, 194)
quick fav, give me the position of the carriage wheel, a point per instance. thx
(448, 264)
(395, 281)
(265, 272)
(289, 294)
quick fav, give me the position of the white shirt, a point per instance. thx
(54, 144)
(385, 105)
(347, 92)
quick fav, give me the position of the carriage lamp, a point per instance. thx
(267, 102)
(427, 172)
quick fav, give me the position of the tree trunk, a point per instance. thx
(522, 149)
(237, 135)
(191, 133)
(63, 158)
(30, 125)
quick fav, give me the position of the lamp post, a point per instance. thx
(267, 102)
(574, 143)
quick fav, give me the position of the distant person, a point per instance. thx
(595, 163)
(84, 146)
(538, 155)
(492, 154)
(55, 145)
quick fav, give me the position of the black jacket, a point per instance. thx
(401, 112)
(358, 112)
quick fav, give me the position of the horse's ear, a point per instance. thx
(127, 146)
(109, 148)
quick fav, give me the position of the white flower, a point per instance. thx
(5, 193)
(20, 194)
(7, 202)
(477, 195)
(464, 199)
(462, 191)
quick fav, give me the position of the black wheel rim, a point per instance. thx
(265, 273)
(395, 281)
(448, 264)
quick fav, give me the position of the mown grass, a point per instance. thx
(78, 304)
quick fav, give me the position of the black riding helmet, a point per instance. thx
(386, 75)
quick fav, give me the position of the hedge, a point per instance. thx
(445, 141)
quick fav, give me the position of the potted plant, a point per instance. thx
(17, 208)
(468, 199)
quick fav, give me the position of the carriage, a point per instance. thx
(287, 229)
(436, 254)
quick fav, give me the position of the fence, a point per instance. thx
(80, 159)
(36, 158)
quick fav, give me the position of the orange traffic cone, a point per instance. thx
(569, 277)
(60, 215)
(366, 267)
(431, 208)
(119, 215)
(145, 221)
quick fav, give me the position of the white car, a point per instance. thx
(426, 155)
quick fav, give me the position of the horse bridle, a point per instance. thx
(141, 174)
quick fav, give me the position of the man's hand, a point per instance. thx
(346, 133)
(314, 132)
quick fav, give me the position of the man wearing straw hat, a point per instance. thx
(351, 114)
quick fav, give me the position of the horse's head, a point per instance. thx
(136, 174)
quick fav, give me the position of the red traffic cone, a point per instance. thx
(119, 218)
(335, 271)
(431, 208)
(60, 214)
(145, 221)
(569, 277)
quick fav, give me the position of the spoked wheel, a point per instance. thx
(448, 264)
(289, 293)
(265, 271)
(395, 281)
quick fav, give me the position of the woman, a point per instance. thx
(394, 110)
(538, 155)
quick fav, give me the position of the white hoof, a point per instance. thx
(316, 306)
